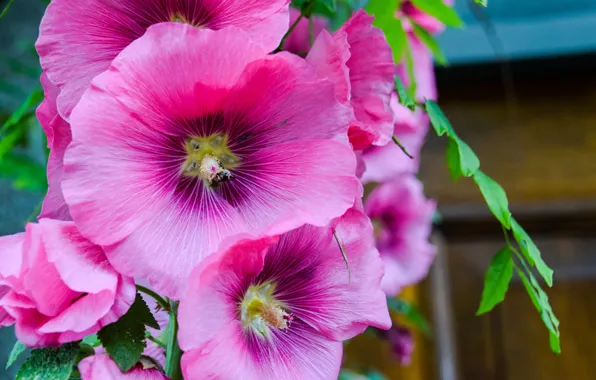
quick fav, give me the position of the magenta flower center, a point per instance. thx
(210, 159)
(260, 311)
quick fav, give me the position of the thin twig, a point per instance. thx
(292, 27)
(157, 341)
(403, 148)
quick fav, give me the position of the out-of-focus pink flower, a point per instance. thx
(79, 39)
(163, 167)
(62, 288)
(298, 42)
(402, 343)
(359, 61)
(403, 222)
(278, 308)
(101, 367)
(408, 11)
(383, 163)
(58, 135)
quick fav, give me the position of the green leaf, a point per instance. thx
(16, 351)
(25, 173)
(555, 344)
(124, 340)
(410, 313)
(495, 198)
(92, 340)
(50, 363)
(531, 252)
(496, 281)
(429, 41)
(438, 119)
(331, 5)
(384, 12)
(440, 11)
(484, 3)
(461, 159)
(24, 110)
(6, 8)
(404, 97)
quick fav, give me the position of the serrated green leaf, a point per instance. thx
(496, 281)
(124, 340)
(461, 159)
(531, 252)
(404, 97)
(384, 12)
(555, 343)
(49, 363)
(17, 350)
(530, 290)
(495, 198)
(440, 11)
(429, 41)
(410, 313)
(438, 119)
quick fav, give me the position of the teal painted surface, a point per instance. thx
(526, 29)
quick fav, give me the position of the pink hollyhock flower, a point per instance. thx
(402, 343)
(58, 134)
(101, 367)
(298, 41)
(163, 167)
(408, 11)
(359, 61)
(10, 264)
(403, 220)
(279, 308)
(79, 39)
(62, 287)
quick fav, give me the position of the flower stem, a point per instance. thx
(173, 353)
(403, 148)
(292, 27)
(160, 301)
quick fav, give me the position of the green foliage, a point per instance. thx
(410, 313)
(25, 173)
(429, 41)
(484, 3)
(24, 111)
(495, 198)
(124, 340)
(384, 12)
(17, 350)
(462, 161)
(404, 96)
(531, 252)
(50, 363)
(6, 8)
(496, 281)
(440, 11)
(92, 340)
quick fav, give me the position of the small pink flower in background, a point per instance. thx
(402, 343)
(58, 134)
(359, 61)
(101, 367)
(298, 42)
(62, 287)
(79, 39)
(195, 135)
(278, 308)
(408, 11)
(403, 220)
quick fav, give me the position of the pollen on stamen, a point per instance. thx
(275, 316)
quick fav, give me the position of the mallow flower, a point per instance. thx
(279, 307)
(359, 61)
(195, 135)
(58, 134)
(79, 39)
(402, 217)
(298, 42)
(62, 287)
(102, 367)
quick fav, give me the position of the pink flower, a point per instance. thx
(408, 11)
(58, 134)
(62, 287)
(279, 308)
(79, 39)
(101, 367)
(403, 220)
(358, 60)
(163, 167)
(402, 343)
(298, 41)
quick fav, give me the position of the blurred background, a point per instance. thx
(520, 89)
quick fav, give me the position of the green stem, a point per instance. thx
(173, 353)
(292, 27)
(311, 31)
(403, 148)
(160, 301)
(157, 341)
